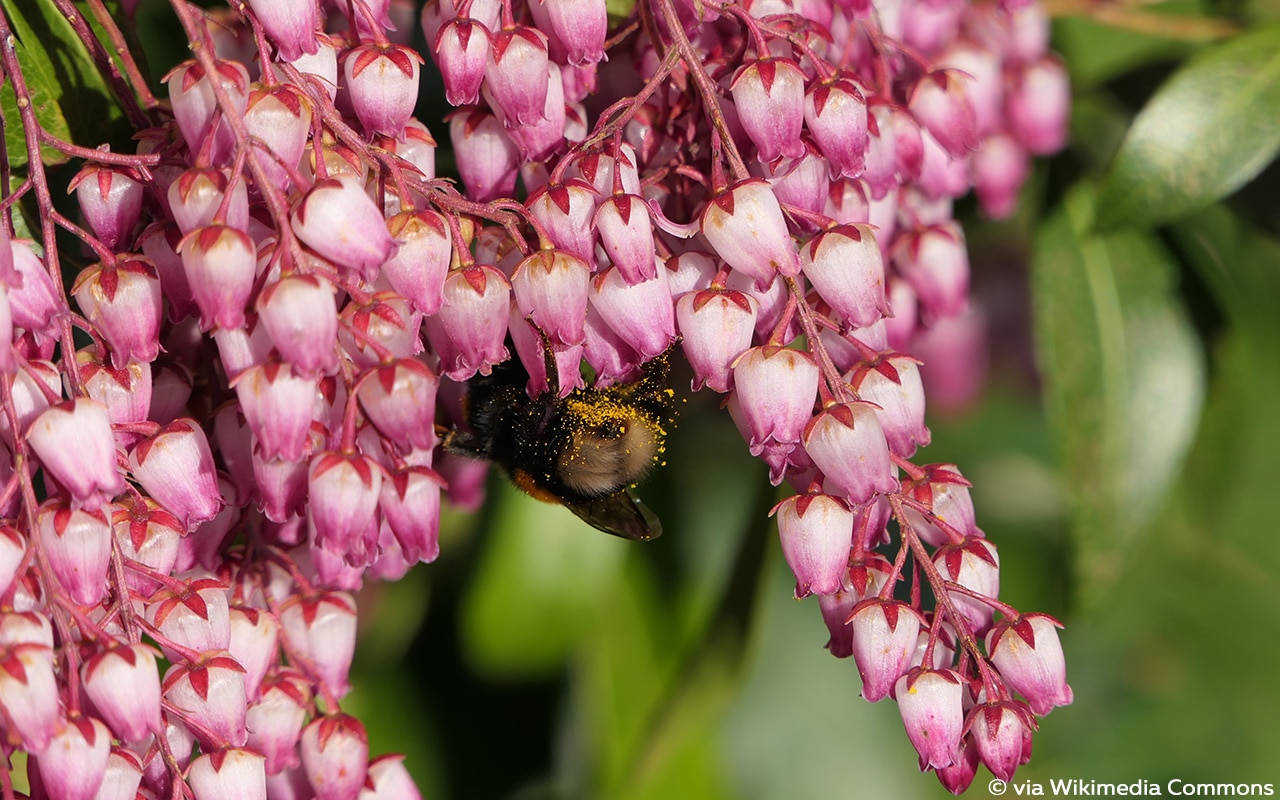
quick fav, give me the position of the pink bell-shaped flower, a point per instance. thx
(776, 388)
(194, 615)
(344, 499)
(715, 328)
(198, 194)
(641, 313)
(277, 405)
(124, 685)
(893, 384)
(626, 232)
(551, 289)
(35, 302)
(488, 160)
(933, 259)
(335, 756)
(744, 225)
(220, 264)
(1001, 730)
(940, 103)
(410, 506)
(160, 243)
(339, 221)
(578, 29)
(566, 210)
(382, 84)
(769, 96)
(111, 200)
(122, 300)
(74, 764)
(291, 25)
(280, 117)
(194, 103)
(975, 565)
(29, 695)
(846, 268)
(254, 635)
(231, 774)
(275, 722)
(298, 312)
(1029, 656)
(517, 73)
(462, 53)
(322, 628)
(74, 443)
(390, 779)
(126, 392)
(884, 639)
(417, 269)
(400, 400)
(930, 702)
(1000, 167)
(835, 112)
(847, 443)
(1037, 106)
(211, 690)
(149, 535)
(817, 535)
(122, 777)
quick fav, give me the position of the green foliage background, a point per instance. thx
(1126, 479)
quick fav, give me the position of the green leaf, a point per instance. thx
(1206, 132)
(70, 97)
(537, 586)
(1124, 379)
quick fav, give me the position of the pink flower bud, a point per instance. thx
(277, 405)
(566, 210)
(769, 96)
(111, 200)
(322, 628)
(382, 83)
(275, 721)
(124, 685)
(341, 223)
(194, 104)
(122, 777)
(776, 388)
(253, 643)
(282, 485)
(212, 691)
(1000, 730)
(550, 289)
(1037, 106)
(836, 113)
(29, 695)
(884, 639)
(1029, 656)
(344, 499)
(123, 301)
(941, 104)
(291, 25)
(847, 443)
(174, 466)
(35, 302)
(77, 545)
(846, 268)
(933, 259)
(999, 169)
(744, 225)
(462, 53)
(232, 774)
(957, 777)
(641, 314)
(975, 565)
(487, 157)
(410, 505)
(125, 392)
(577, 28)
(517, 73)
(195, 616)
(894, 385)
(626, 232)
(930, 703)
(280, 117)
(148, 534)
(298, 312)
(74, 443)
(419, 267)
(197, 196)
(400, 400)
(75, 763)
(220, 264)
(335, 755)
(817, 534)
(716, 326)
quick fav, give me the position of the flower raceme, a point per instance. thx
(284, 302)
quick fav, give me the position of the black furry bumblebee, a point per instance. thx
(584, 450)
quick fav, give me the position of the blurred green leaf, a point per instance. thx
(1204, 134)
(1095, 53)
(70, 98)
(537, 586)
(1123, 378)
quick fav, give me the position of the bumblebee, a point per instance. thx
(584, 451)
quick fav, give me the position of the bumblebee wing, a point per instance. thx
(619, 514)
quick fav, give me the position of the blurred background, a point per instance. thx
(1113, 399)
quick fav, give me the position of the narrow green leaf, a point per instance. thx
(1205, 133)
(70, 98)
(536, 588)
(1124, 379)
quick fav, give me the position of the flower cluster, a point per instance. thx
(285, 303)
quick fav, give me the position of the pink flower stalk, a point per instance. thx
(77, 545)
(335, 756)
(291, 25)
(174, 465)
(122, 300)
(817, 533)
(124, 685)
(298, 313)
(74, 443)
(884, 639)
(1029, 656)
(930, 702)
(744, 225)
(74, 764)
(339, 221)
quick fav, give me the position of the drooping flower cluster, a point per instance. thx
(285, 302)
